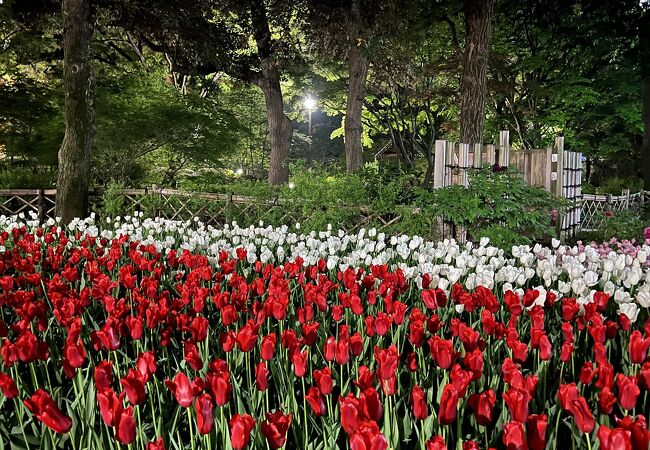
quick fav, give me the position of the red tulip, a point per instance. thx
(442, 352)
(315, 400)
(220, 385)
(483, 404)
(351, 413)
(267, 347)
(387, 360)
(204, 413)
(240, 430)
(192, 356)
(135, 327)
(567, 351)
(41, 405)
(643, 376)
(514, 436)
(638, 429)
(436, 443)
(628, 391)
(536, 431)
(606, 400)
(75, 353)
(323, 379)
(343, 351)
(158, 444)
(329, 351)
(356, 344)
(199, 328)
(366, 378)
(419, 401)
(275, 428)
(638, 347)
(227, 340)
(616, 439)
(299, 360)
(433, 298)
(368, 437)
(247, 337)
(605, 375)
(474, 362)
(370, 404)
(125, 426)
(517, 401)
(383, 323)
(103, 375)
(584, 418)
(133, 385)
(587, 373)
(545, 348)
(181, 388)
(468, 336)
(146, 365)
(309, 333)
(460, 379)
(448, 404)
(261, 376)
(8, 386)
(110, 406)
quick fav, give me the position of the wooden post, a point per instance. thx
(478, 156)
(439, 164)
(491, 154)
(549, 156)
(41, 205)
(626, 194)
(504, 148)
(450, 160)
(463, 163)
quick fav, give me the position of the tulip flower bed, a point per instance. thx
(159, 334)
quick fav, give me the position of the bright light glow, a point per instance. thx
(291, 185)
(239, 171)
(310, 102)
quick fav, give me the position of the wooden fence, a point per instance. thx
(39, 201)
(557, 170)
(553, 168)
(596, 207)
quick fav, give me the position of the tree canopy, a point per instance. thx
(187, 89)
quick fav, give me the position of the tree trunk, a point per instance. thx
(473, 91)
(645, 144)
(280, 130)
(644, 46)
(78, 83)
(357, 73)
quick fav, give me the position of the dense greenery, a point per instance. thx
(168, 111)
(497, 204)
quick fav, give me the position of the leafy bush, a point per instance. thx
(500, 205)
(25, 178)
(620, 224)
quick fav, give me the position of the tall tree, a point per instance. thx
(280, 129)
(349, 34)
(644, 46)
(223, 45)
(357, 73)
(74, 155)
(473, 92)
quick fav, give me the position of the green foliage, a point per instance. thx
(628, 224)
(499, 205)
(113, 201)
(26, 178)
